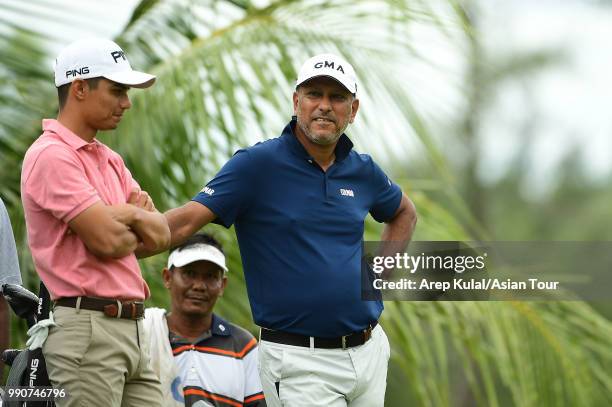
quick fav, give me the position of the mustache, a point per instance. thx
(324, 117)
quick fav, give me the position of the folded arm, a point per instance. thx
(183, 222)
(149, 225)
(103, 232)
(152, 228)
(118, 230)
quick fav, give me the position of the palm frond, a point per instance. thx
(225, 75)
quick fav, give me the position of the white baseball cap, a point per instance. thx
(329, 65)
(197, 252)
(95, 57)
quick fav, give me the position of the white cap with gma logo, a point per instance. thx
(329, 65)
(95, 57)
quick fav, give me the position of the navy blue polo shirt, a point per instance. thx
(300, 231)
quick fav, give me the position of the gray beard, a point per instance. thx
(320, 140)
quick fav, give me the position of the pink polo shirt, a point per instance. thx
(62, 176)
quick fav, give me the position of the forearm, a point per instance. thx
(186, 220)
(396, 236)
(125, 242)
(119, 240)
(104, 230)
(180, 229)
(123, 213)
(398, 231)
(152, 229)
(401, 227)
(142, 252)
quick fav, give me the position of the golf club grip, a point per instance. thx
(45, 302)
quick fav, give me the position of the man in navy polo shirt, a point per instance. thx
(299, 203)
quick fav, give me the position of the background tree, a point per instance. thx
(225, 74)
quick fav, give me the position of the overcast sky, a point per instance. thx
(571, 100)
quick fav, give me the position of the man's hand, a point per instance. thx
(150, 226)
(142, 200)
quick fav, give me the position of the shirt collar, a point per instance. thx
(220, 327)
(342, 150)
(65, 134)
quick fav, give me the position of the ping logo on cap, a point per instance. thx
(118, 54)
(91, 58)
(74, 72)
(328, 64)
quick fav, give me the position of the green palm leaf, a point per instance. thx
(225, 75)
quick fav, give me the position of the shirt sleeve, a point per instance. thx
(253, 392)
(9, 264)
(387, 195)
(58, 183)
(228, 194)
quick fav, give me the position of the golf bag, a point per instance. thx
(28, 368)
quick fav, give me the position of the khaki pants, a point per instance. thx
(100, 361)
(295, 376)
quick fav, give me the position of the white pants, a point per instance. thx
(295, 376)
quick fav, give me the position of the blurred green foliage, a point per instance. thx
(225, 71)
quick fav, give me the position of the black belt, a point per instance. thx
(111, 308)
(346, 341)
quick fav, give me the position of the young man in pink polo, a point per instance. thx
(87, 220)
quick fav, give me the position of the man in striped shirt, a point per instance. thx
(214, 361)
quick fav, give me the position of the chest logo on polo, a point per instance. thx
(347, 192)
(208, 191)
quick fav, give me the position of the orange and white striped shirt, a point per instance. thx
(219, 368)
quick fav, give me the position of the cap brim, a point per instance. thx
(348, 86)
(200, 252)
(135, 79)
(192, 259)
